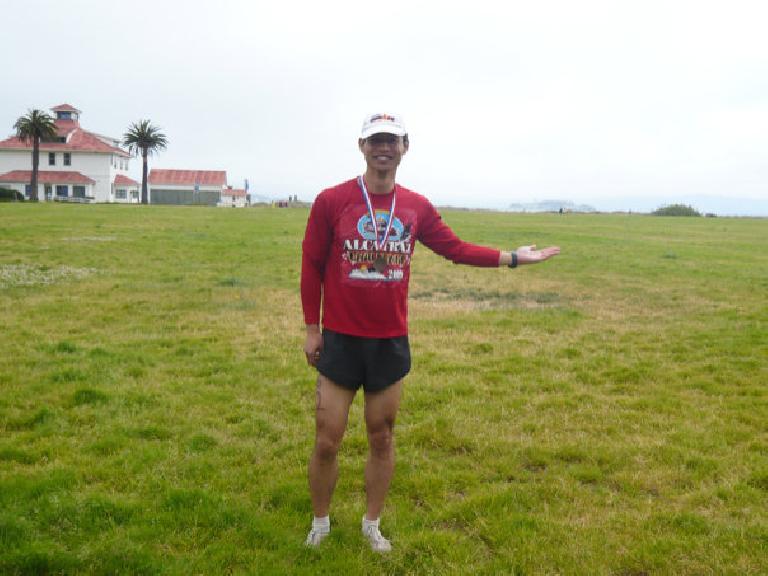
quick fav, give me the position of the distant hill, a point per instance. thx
(720, 205)
(551, 206)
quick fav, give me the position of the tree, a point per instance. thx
(34, 127)
(146, 139)
(676, 210)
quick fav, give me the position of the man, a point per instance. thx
(356, 259)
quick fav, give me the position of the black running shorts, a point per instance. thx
(373, 363)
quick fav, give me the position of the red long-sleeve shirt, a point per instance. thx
(364, 291)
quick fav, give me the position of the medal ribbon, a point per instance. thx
(366, 196)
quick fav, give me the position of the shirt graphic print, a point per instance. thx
(362, 262)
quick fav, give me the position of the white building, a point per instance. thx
(232, 198)
(77, 165)
(127, 190)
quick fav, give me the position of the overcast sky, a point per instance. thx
(618, 104)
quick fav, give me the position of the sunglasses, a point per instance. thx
(382, 139)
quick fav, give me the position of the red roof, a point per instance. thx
(121, 180)
(188, 177)
(78, 140)
(46, 177)
(64, 127)
(233, 192)
(65, 108)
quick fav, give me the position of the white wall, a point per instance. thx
(16, 160)
(228, 201)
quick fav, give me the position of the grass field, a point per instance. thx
(602, 413)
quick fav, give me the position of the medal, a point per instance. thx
(380, 264)
(376, 244)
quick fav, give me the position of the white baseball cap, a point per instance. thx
(387, 123)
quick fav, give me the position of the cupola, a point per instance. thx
(67, 113)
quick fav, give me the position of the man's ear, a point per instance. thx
(360, 142)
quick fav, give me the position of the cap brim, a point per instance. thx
(382, 128)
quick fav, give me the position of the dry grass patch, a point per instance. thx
(21, 275)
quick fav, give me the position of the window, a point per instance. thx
(134, 194)
(62, 190)
(48, 191)
(67, 159)
(51, 158)
(27, 190)
(78, 191)
(121, 194)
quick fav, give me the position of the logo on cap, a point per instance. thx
(382, 118)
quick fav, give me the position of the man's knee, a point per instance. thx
(327, 445)
(381, 438)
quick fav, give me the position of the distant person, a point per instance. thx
(357, 252)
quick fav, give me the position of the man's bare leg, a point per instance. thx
(331, 413)
(380, 412)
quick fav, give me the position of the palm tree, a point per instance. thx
(35, 126)
(147, 139)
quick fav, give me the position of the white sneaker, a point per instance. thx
(315, 537)
(377, 541)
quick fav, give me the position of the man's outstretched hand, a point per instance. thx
(529, 254)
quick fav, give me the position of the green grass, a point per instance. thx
(603, 413)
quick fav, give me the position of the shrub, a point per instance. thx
(8, 195)
(676, 210)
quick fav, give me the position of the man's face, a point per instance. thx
(383, 151)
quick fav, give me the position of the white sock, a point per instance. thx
(321, 524)
(367, 523)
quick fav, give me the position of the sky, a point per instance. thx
(622, 105)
